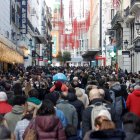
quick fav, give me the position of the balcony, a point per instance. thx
(116, 20)
(128, 16)
(135, 6)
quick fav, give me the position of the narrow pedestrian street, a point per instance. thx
(69, 70)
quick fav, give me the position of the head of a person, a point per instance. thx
(47, 108)
(89, 87)
(33, 93)
(132, 81)
(19, 100)
(75, 82)
(71, 90)
(70, 131)
(112, 80)
(58, 85)
(75, 79)
(64, 95)
(28, 116)
(17, 88)
(94, 94)
(102, 93)
(130, 119)
(137, 126)
(3, 96)
(53, 97)
(137, 87)
(103, 123)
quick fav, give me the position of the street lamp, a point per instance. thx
(125, 44)
(138, 27)
(30, 40)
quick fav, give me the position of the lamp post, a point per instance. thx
(101, 25)
(30, 40)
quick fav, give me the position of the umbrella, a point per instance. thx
(59, 77)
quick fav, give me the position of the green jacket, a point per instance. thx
(14, 116)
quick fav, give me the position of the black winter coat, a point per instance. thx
(72, 98)
(86, 117)
(106, 135)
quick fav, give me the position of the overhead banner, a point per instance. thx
(54, 46)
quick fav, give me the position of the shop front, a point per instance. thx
(9, 54)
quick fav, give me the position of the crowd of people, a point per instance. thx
(92, 104)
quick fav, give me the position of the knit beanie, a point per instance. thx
(3, 96)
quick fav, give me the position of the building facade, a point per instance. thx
(125, 23)
(25, 30)
(132, 20)
(9, 52)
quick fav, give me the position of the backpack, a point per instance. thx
(96, 108)
(30, 132)
(119, 103)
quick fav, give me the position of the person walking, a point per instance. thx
(4, 106)
(46, 125)
(96, 99)
(133, 101)
(17, 112)
(68, 109)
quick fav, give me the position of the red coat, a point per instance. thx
(133, 102)
(63, 88)
(5, 107)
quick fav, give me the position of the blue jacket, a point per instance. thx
(62, 117)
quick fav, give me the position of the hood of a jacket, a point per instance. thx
(106, 134)
(72, 97)
(116, 87)
(136, 92)
(79, 92)
(46, 123)
(62, 101)
(34, 100)
(17, 109)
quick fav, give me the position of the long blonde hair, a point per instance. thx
(28, 87)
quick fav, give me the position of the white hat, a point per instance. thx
(3, 96)
(105, 113)
(75, 78)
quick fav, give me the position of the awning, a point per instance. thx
(90, 54)
(23, 46)
(9, 53)
(41, 39)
